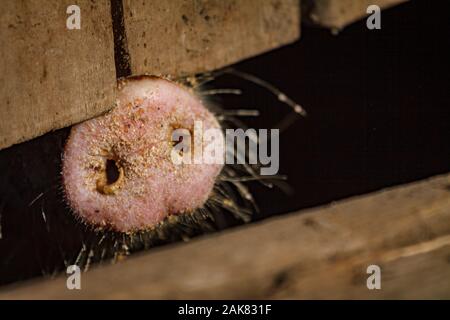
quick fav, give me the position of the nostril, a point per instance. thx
(111, 178)
(112, 171)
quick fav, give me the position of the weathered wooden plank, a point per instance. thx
(52, 77)
(336, 14)
(419, 271)
(185, 37)
(321, 253)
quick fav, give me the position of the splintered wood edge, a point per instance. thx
(318, 253)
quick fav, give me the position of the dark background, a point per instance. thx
(378, 116)
(377, 100)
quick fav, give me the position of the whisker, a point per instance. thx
(36, 199)
(80, 254)
(252, 178)
(88, 261)
(41, 194)
(282, 97)
(221, 91)
(285, 123)
(241, 113)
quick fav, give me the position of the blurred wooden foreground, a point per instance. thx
(314, 254)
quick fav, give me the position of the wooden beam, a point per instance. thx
(336, 14)
(52, 77)
(186, 37)
(318, 253)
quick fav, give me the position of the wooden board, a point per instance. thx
(336, 14)
(318, 253)
(186, 37)
(52, 77)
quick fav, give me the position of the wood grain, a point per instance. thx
(190, 36)
(52, 77)
(318, 253)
